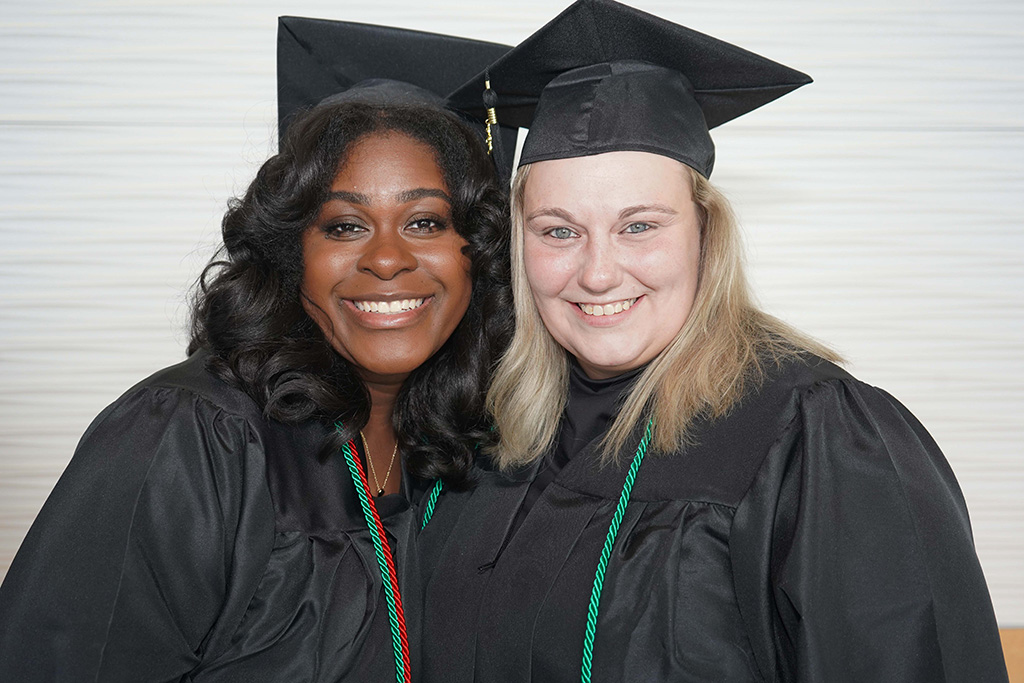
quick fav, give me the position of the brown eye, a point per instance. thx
(343, 230)
(426, 225)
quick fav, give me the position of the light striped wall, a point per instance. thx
(883, 205)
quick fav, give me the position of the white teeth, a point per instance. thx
(387, 307)
(607, 309)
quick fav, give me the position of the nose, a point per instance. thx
(600, 270)
(387, 254)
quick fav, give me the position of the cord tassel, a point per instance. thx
(494, 143)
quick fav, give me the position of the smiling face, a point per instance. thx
(384, 273)
(611, 248)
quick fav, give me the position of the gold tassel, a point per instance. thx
(492, 120)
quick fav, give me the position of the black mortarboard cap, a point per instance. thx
(320, 58)
(603, 77)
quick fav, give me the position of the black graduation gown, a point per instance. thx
(814, 534)
(190, 539)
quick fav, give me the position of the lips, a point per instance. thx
(610, 308)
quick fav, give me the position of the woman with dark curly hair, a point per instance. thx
(250, 514)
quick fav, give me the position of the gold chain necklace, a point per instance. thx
(366, 448)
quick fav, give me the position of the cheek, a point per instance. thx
(464, 286)
(689, 266)
(673, 266)
(548, 270)
(321, 272)
(326, 264)
(314, 300)
(312, 278)
(452, 269)
(315, 261)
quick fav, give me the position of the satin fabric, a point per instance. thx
(190, 539)
(814, 534)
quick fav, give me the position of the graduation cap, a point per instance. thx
(319, 59)
(603, 77)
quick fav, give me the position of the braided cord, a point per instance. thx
(606, 552)
(428, 511)
(396, 616)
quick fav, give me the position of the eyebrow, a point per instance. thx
(643, 208)
(402, 197)
(350, 197)
(625, 213)
(552, 211)
(422, 192)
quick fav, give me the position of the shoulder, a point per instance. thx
(161, 521)
(725, 453)
(853, 507)
(774, 398)
(187, 393)
(181, 421)
(803, 370)
(180, 444)
(211, 426)
(826, 397)
(192, 377)
(831, 424)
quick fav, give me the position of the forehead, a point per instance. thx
(610, 178)
(388, 161)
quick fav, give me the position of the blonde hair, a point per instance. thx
(719, 352)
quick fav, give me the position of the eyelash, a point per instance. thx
(438, 225)
(342, 230)
(646, 227)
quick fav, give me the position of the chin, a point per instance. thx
(387, 367)
(612, 363)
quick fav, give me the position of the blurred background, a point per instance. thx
(883, 205)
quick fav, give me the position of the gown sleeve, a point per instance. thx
(853, 553)
(126, 569)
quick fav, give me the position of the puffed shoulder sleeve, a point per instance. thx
(853, 555)
(130, 564)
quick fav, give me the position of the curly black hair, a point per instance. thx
(248, 312)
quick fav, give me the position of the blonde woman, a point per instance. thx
(685, 488)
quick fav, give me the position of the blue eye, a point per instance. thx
(562, 233)
(634, 228)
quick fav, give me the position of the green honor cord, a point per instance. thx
(606, 552)
(428, 510)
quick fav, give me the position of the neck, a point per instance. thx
(380, 436)
(382, 407)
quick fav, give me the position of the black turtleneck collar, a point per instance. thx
(590, 410)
